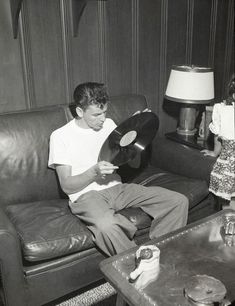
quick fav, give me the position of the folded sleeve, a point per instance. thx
(58, 154)
(112, 125)
(215, 125)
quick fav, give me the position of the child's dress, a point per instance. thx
(222, 179)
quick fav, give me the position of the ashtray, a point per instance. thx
(204, 290)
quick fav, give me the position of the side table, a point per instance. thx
(200, 248)
(191, 141)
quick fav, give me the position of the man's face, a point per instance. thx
(94, 117)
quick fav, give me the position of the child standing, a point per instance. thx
(222, 179)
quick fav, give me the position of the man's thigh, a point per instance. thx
(134, 195)
(90, 204)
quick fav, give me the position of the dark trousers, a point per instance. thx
(113, 232)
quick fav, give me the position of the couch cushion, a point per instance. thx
(195, 190)
(24, 138)
(47, 229)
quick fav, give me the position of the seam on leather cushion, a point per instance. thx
(38, 242)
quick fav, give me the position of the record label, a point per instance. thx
(128, 138)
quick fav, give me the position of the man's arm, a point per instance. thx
(74, 183)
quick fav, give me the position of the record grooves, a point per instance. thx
(129, 138)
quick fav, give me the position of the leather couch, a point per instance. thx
(45, 251)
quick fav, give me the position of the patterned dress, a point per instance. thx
(222, 180)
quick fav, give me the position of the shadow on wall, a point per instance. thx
(171, 108)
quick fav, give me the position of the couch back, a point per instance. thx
(24, 144)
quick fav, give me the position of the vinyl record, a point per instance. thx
(131, 137)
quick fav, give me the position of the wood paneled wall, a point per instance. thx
(128, 44)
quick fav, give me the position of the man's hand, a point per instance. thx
(143, 111)
(209, 153)
(103, 168)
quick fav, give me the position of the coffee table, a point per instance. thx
(200, 248)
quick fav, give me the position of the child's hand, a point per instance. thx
(209, 153)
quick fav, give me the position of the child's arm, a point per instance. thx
(217, 148)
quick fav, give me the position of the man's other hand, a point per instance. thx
(146, 110)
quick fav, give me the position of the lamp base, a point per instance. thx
(184, 132)
(187, 119)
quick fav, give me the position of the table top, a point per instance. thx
(200, 248)
(191, 141)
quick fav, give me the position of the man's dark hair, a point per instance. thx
(90, 93)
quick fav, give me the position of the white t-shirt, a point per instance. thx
(79, 148)
(223, 118)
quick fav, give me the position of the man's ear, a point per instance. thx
(79, 112)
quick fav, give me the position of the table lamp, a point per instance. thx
(190, 85)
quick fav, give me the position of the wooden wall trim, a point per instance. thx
(103, 60)
(163, 54)
(130, 55)
(26, 58)
(77, 8)
(214, 12)
(189, 32)
(65, 14)
(229, 44)
(135, 46)
(15, 11)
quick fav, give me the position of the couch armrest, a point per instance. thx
(181, 159)
(11, 267)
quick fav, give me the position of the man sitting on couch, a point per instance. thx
(94, 188)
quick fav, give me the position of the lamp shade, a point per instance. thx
(190, 84)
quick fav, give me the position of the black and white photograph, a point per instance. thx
(117, 153)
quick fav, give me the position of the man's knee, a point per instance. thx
(104, 225)
(181, 200)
